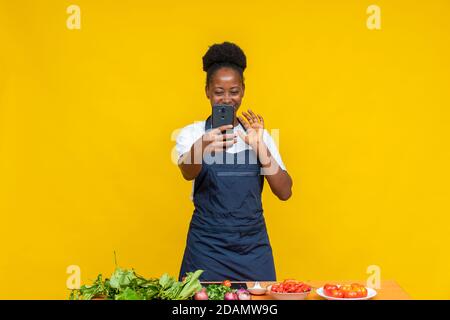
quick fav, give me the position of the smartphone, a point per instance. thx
(222, 114)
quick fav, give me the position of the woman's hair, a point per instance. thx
(226, 54)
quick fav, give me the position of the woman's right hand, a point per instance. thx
(216, 141)
(190, 163)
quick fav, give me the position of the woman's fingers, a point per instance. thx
(248, 117)
(227, 136)
(244, 123)
(220, 145)
(261, 120)
(218, 133)
(254, 117)
(220, 129)
(229, 143)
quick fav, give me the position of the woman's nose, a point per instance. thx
(227, 99)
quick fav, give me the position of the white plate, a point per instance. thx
(370, 294)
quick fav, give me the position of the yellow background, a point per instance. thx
(87, 116)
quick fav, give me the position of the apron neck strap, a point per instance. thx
(208, 124)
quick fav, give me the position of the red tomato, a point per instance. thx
(345, 287)
(227, 283)
(361, 291)
(328, 287)
(354, 290)
(336, 293)
(305, 288)
(351, 294)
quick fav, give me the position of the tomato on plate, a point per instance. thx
(328, 288)
(336, 293)
(351, 294)
(350, 291)
(360, 291)
(363, 292)
(345, 288)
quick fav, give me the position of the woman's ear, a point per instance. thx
(206, 91)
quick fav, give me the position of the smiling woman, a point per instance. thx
(227, 235)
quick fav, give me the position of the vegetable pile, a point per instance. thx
(290, 286)
(127, 285)
(222, 291)
(352, 291)
(217, 291)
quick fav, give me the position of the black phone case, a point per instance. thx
(222, 114)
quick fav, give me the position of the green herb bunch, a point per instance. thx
(125, 284)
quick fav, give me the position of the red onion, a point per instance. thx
(201, 295)
(231, 296)
(243, 294)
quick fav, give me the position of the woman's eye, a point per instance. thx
(235, 93)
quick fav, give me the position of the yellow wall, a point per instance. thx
(86, 118)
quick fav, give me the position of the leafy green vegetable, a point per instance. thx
(191, 285)
(166, 281)
(171, 292)
(174, 290)
(121, 278)
(125, 284)
(217, 291)
(98, 288)
(129, 294)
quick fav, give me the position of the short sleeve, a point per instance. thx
(187, 136)
(270, 143)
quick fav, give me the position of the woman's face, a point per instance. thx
(225, 87)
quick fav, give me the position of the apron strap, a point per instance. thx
(208, 124)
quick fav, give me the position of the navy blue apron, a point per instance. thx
(227, 235)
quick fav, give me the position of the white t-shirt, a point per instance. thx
(191, 133)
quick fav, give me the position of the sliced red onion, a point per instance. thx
(243, 294)
(201, 295)
(231, 296)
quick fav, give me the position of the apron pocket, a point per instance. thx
(236, 191)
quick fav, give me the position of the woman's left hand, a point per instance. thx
(254, 127)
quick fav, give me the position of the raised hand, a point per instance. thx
(254, 127)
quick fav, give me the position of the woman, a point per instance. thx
(227, 236)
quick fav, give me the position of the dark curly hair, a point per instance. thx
(226, 54)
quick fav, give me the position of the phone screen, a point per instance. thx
(222, 114)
